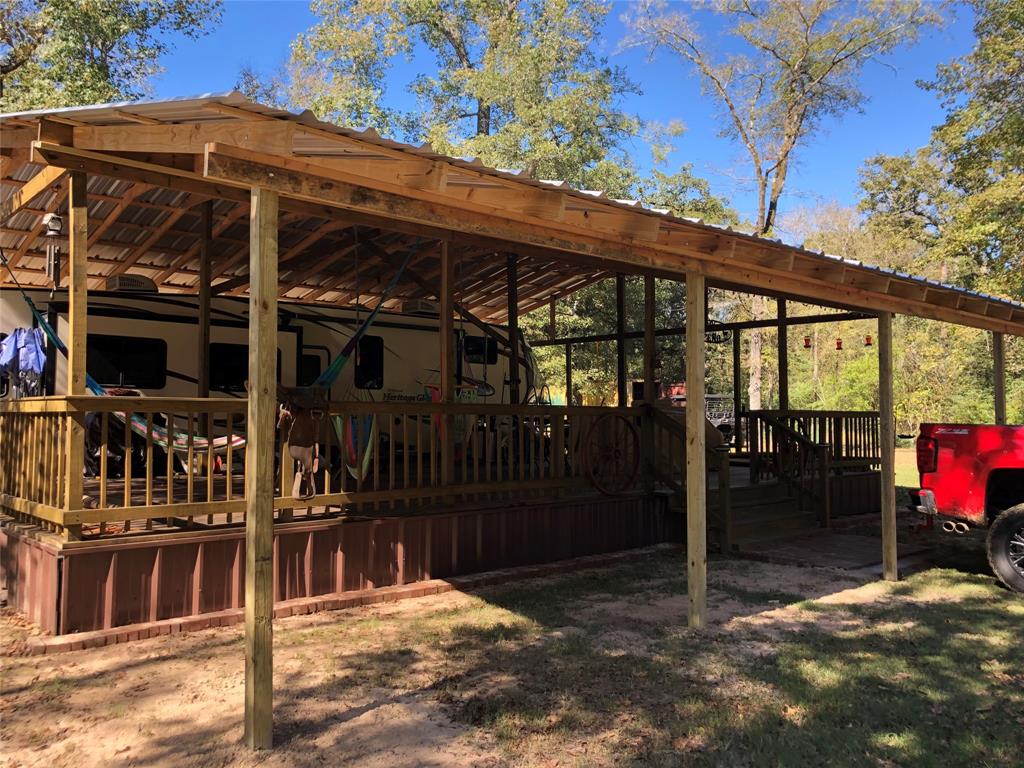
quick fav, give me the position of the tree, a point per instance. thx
(798, 66)
(514, 83)
(962, 197)
(56, 53)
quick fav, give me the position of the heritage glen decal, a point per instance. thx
(393, 396)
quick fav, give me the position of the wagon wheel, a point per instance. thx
(611, 454)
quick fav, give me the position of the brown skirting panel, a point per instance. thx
(30, 571)
(114, 583)
(856, 493)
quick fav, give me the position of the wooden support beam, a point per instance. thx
(621, 385)
(650, 340)
(568, 375)
(136, 118)
(78, 306)
(782, 339)
(696, 457)
(275, 137)
(203, 342)
(512, 285)
(737, 389)
(999, 376)
(446, 331)
(259, 470)
(887, 447)
(650, 391)
(30, 190)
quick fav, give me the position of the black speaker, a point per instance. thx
(369, 373)
(481, 349)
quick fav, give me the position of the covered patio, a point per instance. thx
(218, 196)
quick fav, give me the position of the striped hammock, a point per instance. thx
(181, 442)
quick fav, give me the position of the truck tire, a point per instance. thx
(1006, 547)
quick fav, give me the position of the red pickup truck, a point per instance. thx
(973, 477)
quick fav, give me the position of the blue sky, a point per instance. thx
(898, 117)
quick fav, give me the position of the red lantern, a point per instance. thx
(839, 345)
(807, 342)
(868, 341)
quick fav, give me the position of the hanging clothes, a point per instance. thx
(23, 359)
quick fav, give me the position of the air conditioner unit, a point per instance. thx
(131, 284)
(419, 307)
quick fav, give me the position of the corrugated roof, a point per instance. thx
(198, 109)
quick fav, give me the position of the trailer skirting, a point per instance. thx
(88, 586)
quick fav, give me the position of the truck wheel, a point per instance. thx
(1006, 547)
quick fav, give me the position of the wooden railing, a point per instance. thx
(374, 457)
(778, 451)
(665, 459)
(33, 459)
(851, 436)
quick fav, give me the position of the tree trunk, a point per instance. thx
(483, 119)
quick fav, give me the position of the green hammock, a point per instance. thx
(179, 441)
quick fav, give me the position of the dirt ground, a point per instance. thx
(591, 668)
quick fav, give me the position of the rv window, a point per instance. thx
(126, 361)
(5, 382)
(310, 366)
(369, 372)
(229, 366)
(481, 349)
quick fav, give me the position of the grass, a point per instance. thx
(799, 667)
(578, 671)
(906, 468)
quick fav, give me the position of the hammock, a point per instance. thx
(179, 441)
(347, 430)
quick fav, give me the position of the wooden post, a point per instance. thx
(512, 278)
(203, 336)
(551, 320)
(568, 375)
(696, 458)
(783, 339)
(78, 302)
(650, 393)
(446, 329)
(887, 438)
(737, 390)
(650, 352)
(999, 376)
(259, 470)
(203, 345)
(621, 385)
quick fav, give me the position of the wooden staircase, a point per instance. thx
(784, 494)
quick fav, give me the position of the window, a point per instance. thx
(370, 363)
(126, 361)
(310, 367)
(481, 349)
(229, 366)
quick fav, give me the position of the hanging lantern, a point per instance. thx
(839, 345)
(868, 341)
(807, 342)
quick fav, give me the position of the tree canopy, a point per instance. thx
(57, 53)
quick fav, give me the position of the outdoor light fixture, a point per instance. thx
(54, 224)
(807, 342)
(868, 341)
(839, 345)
